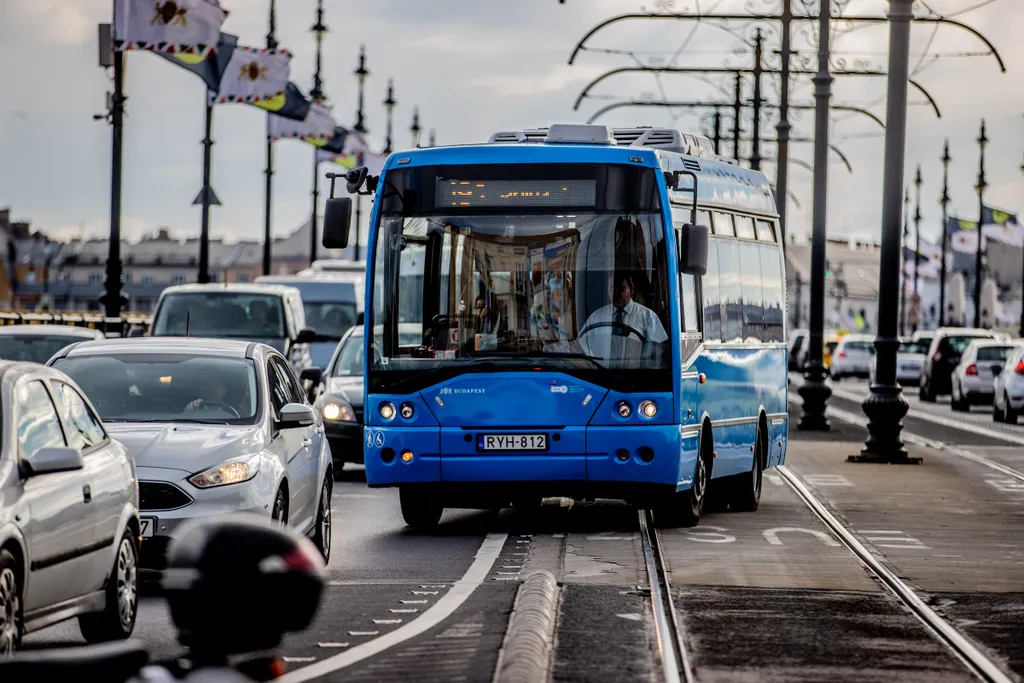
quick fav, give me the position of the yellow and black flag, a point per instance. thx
(292, 104)
(211, 67)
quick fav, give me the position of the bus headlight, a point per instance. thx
(407, 411)
(648, 408)
(387, 410)
(624, 409)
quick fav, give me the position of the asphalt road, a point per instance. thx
(770, 595)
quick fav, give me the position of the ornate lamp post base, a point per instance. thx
(815, 393)
(886, 408)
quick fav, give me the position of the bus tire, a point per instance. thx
(420, 509)
(687, 506)
(745, 489)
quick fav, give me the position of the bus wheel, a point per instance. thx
(420, 509)
(690, 504)
(745, 489)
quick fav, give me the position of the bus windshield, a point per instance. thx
(586, 292)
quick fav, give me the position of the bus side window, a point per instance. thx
(745, 227)
(732, 292)
(765, 231)
(723, 224)
(753, 298)
(711, 292)
(704, 218)
(774, 292)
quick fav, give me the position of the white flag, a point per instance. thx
(318, 126)
(345, 160)
(254, 75)
(355, 143)
(173, 26)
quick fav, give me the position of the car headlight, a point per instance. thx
(231, 472)
(338, 411)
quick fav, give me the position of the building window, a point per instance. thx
(178, 279)
(95, 278)
(241, 277)
(147, 279)
(127, 277)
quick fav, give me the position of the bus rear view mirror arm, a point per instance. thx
(693, 249)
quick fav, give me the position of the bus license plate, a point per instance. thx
(512, 442)
(147, 527)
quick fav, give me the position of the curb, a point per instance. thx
(526, 653)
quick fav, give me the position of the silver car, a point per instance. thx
(975, 375)
(69, 517)
(39, 343)
(1008, 398)
(215, 426)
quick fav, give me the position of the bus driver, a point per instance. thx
(612, 332)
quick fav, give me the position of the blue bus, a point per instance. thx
(603, 316)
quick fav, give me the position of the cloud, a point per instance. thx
(58, 22)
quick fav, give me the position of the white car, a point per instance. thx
(909, 359)
(215, 426)
(852, 356)
(69, 512)
(1008, 388)
(973, 378)
(38, 343)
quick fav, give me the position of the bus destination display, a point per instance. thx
(513, 193)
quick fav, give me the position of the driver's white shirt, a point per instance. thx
(606, 342)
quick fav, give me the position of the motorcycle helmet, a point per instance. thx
(237, 583)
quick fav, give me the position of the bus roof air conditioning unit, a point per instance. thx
(667, 139)
(559, 133)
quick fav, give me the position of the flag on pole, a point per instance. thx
(209, 67)
(347, 161)
(317, 127)
(254, 75)
(292, 104)
(173, 26)
(373, 162)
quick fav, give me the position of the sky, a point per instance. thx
(474, 67)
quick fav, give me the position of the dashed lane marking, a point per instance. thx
(827, 480)
(364, 633)
(332, 644)
(1006, 485)
(477, 573)
(772, 535)
(897, 540)
(385, 622)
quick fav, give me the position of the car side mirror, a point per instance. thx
(296, 415)
(306, 335)
(337, 219)
(51, 460)
(312, 374)
(693, 249)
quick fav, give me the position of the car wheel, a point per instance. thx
(10, 605)
(280, 511)
(420, 507)
(956, 401)
(117, 620)
(997, 413)
(322, 537)
(1009, 414)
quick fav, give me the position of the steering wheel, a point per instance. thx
(621, 326)
(227, 408)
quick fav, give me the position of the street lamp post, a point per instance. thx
(917, 245)
(737, 110)
(903, 269)
(783, 128)
(432, 142)
(317, 96)
(360, 127)
(885, 406)
(814, 390)
(982, 184)
(389, 107)
(944, 202)
(1022, 279)
(267, 239)
(415, 127)
(755, 151)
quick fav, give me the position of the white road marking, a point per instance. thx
(827, 480)
(387, 621)
(332, 644)
(708, 534)
(486, 556)
(1006, 485)
(772, 535)
(299, 659)
(363, 633)
(631, 617)
(424, 592)
(893, 539)
(410, 610)
(413, 602)
(774, 479)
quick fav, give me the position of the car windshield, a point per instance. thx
(994, 352)
(862, 346)
(917, 346)
(498, 286)
(167, 387)
(349, 361)
(220, 314)
(331, 320)
(35, 348)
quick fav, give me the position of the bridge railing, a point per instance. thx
(109, 326)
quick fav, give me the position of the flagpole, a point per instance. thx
(917, 246)
(112, 296)
(317, 96)
(360, 127)
(206, 197)
(267, 239)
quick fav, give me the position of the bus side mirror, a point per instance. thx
(693, 249)
(337, 219)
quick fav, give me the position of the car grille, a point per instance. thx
(159, 496)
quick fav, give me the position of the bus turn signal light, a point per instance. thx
(406, 456)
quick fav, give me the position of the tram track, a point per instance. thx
(671, 637)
